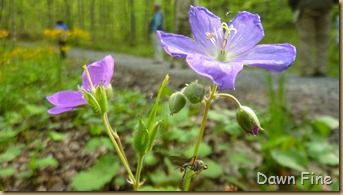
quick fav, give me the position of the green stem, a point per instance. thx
(115, 135)
(117, 148)
(229, 96)
(138, 172)
(201, 133)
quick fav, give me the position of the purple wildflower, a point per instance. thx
(101, 73)
(221, 49)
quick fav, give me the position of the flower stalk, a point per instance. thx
(201, 132)
(118, 149)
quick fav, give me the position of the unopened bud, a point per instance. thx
(248, 120)
(177, 101)
(101, 98)
(194, 92)
(109, 91)
(92, 102)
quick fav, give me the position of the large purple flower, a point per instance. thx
(221, 49)
(101, 73)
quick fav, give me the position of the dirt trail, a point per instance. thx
(304, 95)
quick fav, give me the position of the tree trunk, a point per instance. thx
(13, 18)
(132, 23)
(92, 20)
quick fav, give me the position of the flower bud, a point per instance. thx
(92, 102)
(248, 120)
(109, 91)
(100, 96)
(176, 102)
(194, 92)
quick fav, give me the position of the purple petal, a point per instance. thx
(100, 72)
(203, 22)
(222, 74)
(179, 45)
(67, 99)
(249, 33)
(255, 129)
(59, 110)
(271, 57)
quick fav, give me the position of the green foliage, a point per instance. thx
(292, 159)
(96, 142)
(11, 153)
(55, 136)
(43, 163)
(323, 125)
(98, 175)
(296, 144)
(214, 170)
(7, 172)
(204, 150)
(141, 138)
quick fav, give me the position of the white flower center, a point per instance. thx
(219, 40)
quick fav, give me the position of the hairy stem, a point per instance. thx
(201, 133)
(138, 172)
(118, 148)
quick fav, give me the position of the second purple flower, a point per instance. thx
(100, 72)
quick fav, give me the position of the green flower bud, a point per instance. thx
(248, 120)
(109, 91)
(177, 101)
(93, 103)
(101, 97)
(194, 92)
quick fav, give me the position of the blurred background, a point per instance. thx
(71, 151)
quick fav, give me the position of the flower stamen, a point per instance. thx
(89, 78)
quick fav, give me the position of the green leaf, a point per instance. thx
(7, 135)
(329, 159)
(141, 138)
(25, 174)
(35, 109)
(55, 136)
(273, 143)
(11, 153)
(204, 150)
(323, 152)
(9, 171)
(150, 159)
(95, 142)
(98, 175)
(291, 159)
(160, 178)
(152, 115)
(240, 158)
(323, 125)
(45, 162)
(214, 170)
(152, 135)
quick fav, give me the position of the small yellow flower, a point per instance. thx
(3, 33)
